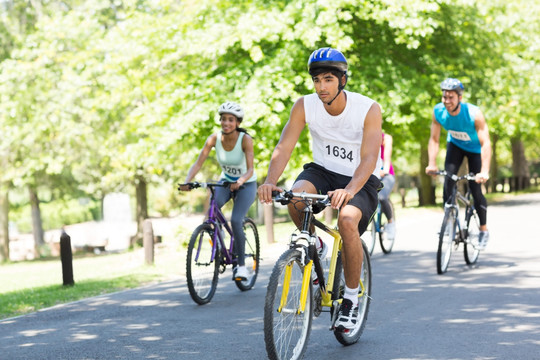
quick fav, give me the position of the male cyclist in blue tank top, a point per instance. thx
(468, 136)
(346, 139)
(234, 152)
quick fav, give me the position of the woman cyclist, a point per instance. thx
(234, 152)
(388, 179)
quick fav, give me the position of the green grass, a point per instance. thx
(29, 286)
(34, 298)
(32, 285)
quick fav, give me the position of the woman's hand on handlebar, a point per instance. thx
(235, 186)
(184, 187)
(265, 192)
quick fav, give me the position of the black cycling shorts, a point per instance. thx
(325, 180)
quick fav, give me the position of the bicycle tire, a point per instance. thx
(352, 337)
(252, 255)
(202, 273)
(286, 332)
(446, 240)
(386, 243)
(470, 252)
(371, 235)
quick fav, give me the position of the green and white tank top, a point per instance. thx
(233, 163)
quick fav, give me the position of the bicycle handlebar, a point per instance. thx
(196, 184)
(469, 176)
(285, 197)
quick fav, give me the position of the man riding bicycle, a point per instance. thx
(346, 131)
(468, 136)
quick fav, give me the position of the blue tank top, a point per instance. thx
(461, 129)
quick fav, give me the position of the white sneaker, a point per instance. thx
(390, 230)
(347, 316)
(483, 239)
(241, 273)
(322, 248)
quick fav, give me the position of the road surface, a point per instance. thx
(485, 312)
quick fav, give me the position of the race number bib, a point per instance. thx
(341, 154)
(232, 171)
(460, 135)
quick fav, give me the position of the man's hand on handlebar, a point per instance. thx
(432, 170)
(481, 178)
(265, 192)
(339, 197)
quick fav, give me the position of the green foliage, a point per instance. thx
(93, 94)
(57, 213)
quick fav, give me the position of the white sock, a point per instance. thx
(352, 294)
(318, 242)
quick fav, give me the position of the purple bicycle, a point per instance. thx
(208, 255)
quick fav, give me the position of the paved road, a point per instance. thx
(490, 311)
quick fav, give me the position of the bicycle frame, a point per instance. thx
(377, 216)
(452, 202)
(326, 295)
(216, 218)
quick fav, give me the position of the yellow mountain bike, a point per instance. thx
(291, 301)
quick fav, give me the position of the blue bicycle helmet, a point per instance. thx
(327, 58)
(452, 84)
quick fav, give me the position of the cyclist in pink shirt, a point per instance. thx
(388, 179)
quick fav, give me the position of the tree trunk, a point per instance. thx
(493, 169)
(141, 192)
(4, 224)
(426, 190)
(520, 165)
(37, 223)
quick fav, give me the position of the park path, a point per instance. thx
(488, 311)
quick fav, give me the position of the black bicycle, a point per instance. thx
(453, 231)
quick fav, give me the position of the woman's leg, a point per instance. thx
(384, 196)
(242, 202)
(222, 196)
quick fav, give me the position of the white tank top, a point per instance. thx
(336, 140)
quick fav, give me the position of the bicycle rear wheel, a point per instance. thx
(446, 240)
(370, 237)
(386, 243)
(201, 270)
(470, 252)
(364, 299)
(252, 254)
(286, 331)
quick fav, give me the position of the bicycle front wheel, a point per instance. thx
(446, 240)
(471, 252)
(252, 255)
(286, 329)
(201, 270)
(364, 300)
